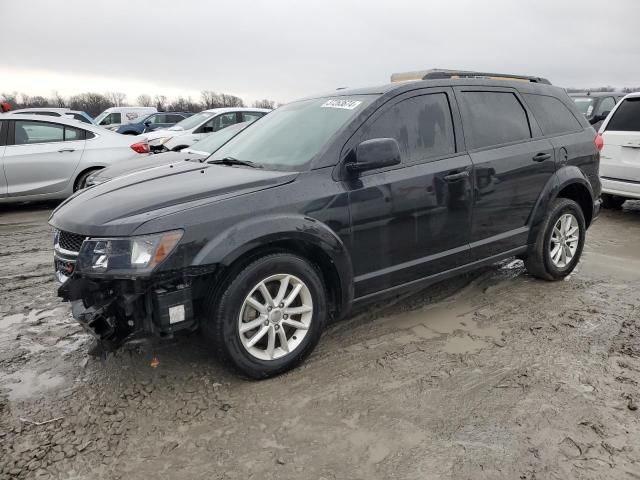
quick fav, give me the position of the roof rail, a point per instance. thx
(437, 73)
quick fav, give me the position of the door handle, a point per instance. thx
(452, 177)
(63, 150)
(541, 157)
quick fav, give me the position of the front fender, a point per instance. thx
(563, 177)
(230, 245)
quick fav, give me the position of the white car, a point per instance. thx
(55, 112)
(620, 154)
(112, 118)
(49, 158)
(187, 132)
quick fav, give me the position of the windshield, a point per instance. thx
(192, 121)
(585, 105)
(99, 118)
(290, 136)
(213, 142)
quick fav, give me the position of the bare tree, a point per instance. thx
(210, 99)
(92, 103)
(117, 99)
(227, 100)
(264, 104)
(182, 104)
(145, 100)
(161, 101)
(58, 100)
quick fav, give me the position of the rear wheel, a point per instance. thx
(612, 201)
(269, 316)
(559, 243)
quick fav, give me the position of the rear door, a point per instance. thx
(41, 157)
(411, 220)
(511, 165)
(620, 156)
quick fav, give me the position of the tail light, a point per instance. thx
(140, 147)
(599, 142)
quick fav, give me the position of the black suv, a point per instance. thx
(327, 202)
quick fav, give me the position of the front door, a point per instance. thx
(510, 166)
(411, 220)
(41, 157)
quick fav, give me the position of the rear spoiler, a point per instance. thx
(435, 74)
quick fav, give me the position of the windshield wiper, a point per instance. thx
(235, 161)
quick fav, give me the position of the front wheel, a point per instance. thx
(269, 316)
(559, 242)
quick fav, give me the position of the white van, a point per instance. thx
(113, 117)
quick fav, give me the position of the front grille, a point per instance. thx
(70, 241)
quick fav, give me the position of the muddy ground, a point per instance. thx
(492, 375)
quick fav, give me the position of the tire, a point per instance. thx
(612, 202)
(539, 261)
(227, 307)
(82, 179)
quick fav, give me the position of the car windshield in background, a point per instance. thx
(290, 136)
(214, 141)
(584, 104)
(192, 121)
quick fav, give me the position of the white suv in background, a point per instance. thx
(187, 132)
(620, 155)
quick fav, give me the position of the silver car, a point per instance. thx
(50, 158)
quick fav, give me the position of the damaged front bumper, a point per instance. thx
(117, 312)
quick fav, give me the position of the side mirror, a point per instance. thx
(375, 153)
(147, 123)
(207, 129)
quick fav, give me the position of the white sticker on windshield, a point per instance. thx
(344, 104)
(589, 110)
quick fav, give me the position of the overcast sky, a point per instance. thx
(284, 49)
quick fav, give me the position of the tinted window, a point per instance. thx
(222, 121)
(71, 133)
(422, 126)
(27, 132)
(173, 118)
(585, 105)
(627, 116)
(251, 116)
(606, 105)
(493, 118)
(552, 115)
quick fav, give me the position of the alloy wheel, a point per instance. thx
(564, 240)
(275, 317)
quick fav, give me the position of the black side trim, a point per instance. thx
(634, 182)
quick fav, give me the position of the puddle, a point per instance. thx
(28, 384)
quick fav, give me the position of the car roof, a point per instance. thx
(42, 109)
(632, 95)
(596, 94)
(401, 87)
(64, 120)
(236, 109)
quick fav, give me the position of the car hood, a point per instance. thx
(120, 206)
(135, 165)
(161, 133)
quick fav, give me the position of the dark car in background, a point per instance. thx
(153, 122)
(329, 202)
(595, 106)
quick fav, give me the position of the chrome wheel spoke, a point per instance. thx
(282, 291)
(564, 240)
(284, 343)
(271, 341)
(266, 294)
(295, 324)
(292, 296)
(253, 324)
(258, 336)
(256, 305)
(298, 310)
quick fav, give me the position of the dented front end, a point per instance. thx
(116, 312)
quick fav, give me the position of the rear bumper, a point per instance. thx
(620, 187)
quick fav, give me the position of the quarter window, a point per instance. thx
(627, 116)
(552, 115)
(28, 132)
(493, 118)
(422, 126)
(71, 134)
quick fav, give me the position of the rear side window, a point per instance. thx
(251, 116)
(27, 132)
(627, 116)
(493, 118)
(422, 126)
(552, 115)
(71, 133)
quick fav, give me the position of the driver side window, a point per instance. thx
(29, 132)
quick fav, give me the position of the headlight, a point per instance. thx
(126, 255)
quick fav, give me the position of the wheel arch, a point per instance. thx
(568, 182)
(303, 236)
(92, 168)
